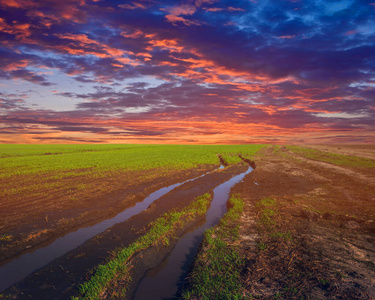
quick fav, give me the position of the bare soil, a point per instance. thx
(322, 244)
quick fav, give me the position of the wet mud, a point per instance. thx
(60, 279)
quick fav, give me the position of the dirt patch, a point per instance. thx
(315, 238)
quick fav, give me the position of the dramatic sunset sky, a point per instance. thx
(193, 71)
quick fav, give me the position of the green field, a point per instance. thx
(28, 169)
(35, 159)
(36, 167)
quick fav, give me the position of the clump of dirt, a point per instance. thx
(308, 229)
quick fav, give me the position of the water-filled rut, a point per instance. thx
(18, 268)
(61, 278)
(163, 281)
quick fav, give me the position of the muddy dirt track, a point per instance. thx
(327, 210)
(59, 280)
(325, 217)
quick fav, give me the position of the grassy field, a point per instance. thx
(34, 159)
(30, 170)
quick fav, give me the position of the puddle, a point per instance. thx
(19, 268)
(164, 281)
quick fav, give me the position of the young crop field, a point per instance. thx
(40, 159)
(30, 170)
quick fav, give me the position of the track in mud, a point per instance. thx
(164, 281)
(18, 268)
(60, 279)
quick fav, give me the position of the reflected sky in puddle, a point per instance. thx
(19, 268)
(163, 281)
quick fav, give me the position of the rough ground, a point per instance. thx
(318, 242)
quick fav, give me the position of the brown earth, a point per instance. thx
(61, 278)
(28, 221)
(320, 242)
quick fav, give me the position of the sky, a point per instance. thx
(187, 72)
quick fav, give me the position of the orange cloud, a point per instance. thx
(175, 13)
(16, 65)
(68, 9)
(230, 8)
(45, 20)
(144, 54)
(288, 37)
(89, 46)
(21, 31)
(17, 3)
(167, 44)
(181, 10)
(214, 9)
(210, 72)
(167, 63)
(134, 35)
(173, 19)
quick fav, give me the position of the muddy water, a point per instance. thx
(163, 281)
(19, 268)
